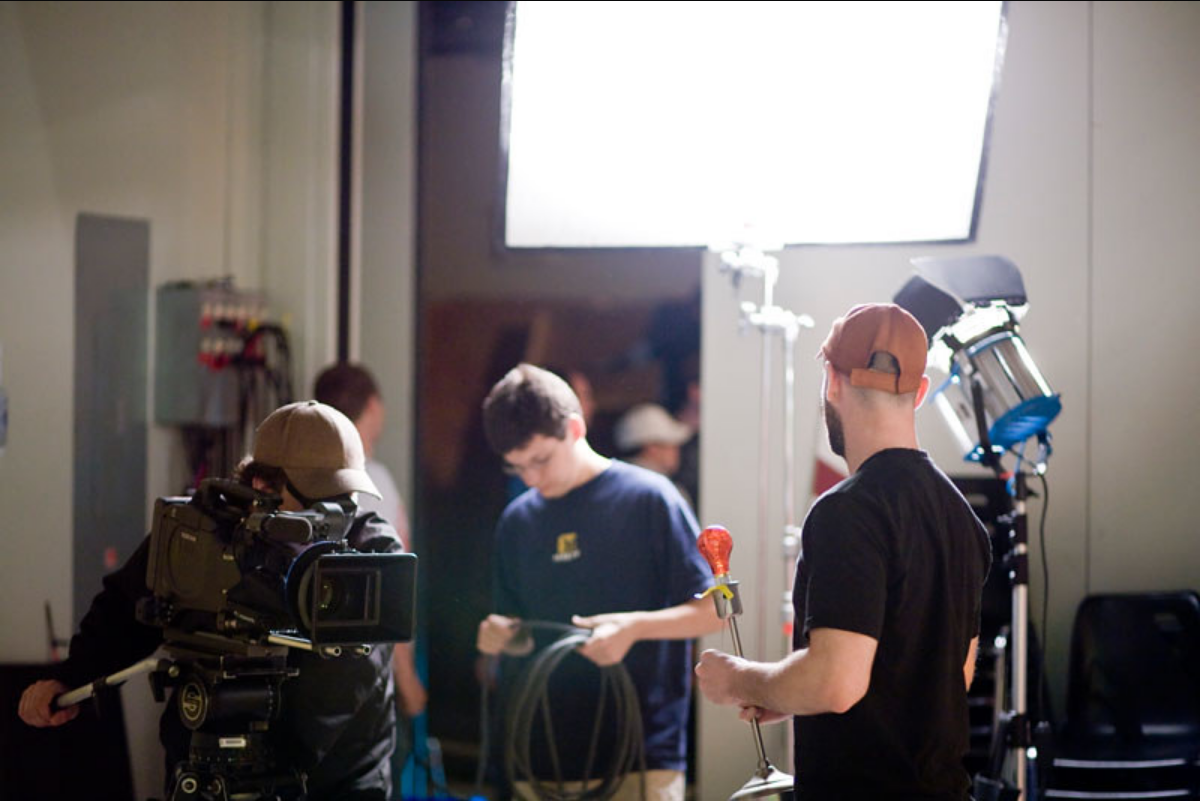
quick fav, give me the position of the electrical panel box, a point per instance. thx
(201, 334)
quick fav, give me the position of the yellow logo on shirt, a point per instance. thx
(567, 548)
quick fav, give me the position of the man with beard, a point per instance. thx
(887, 592)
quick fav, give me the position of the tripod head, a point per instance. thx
(228, 693)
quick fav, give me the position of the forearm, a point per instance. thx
(831, 675)
(613, 634)
(403, 663)
(688, 620)
(797, 685)
(409, 689)
(969, 665)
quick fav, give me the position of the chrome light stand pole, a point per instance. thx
(740, 260)
(715, 544)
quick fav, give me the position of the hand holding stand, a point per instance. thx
(715, 544)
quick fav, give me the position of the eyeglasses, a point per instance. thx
(538, 463)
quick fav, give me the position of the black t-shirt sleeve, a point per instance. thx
(846, 564)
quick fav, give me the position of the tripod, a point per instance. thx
(227, 699)
(227, 695)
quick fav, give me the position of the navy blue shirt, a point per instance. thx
(623, 541)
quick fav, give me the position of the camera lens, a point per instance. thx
(331, 596)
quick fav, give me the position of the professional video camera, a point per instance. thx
(248, 597)
(227, 562)
(236, 584)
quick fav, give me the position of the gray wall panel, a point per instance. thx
(111, 296)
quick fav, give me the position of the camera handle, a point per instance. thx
(155, 664)
(80, 694)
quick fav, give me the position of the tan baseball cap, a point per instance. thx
(873, 328)
(648, 424)
(317, 447)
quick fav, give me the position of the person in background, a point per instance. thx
(687, 411)
(351, 389)
(648, 436)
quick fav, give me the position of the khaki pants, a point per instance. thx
(661, 785)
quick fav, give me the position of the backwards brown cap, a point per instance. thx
(873, 328)
(317, 447)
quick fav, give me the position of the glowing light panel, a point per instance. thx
(678, 124)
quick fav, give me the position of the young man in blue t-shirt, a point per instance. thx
(601, 545)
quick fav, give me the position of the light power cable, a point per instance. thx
(530, 701)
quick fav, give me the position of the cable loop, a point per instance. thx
(530, 700)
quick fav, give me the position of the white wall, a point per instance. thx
(387, 290)
(213, 121)
(1092, 189)
(1145, 386)
(300, 60)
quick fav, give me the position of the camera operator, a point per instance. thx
(337, 718)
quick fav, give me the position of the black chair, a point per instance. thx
(1132, 726)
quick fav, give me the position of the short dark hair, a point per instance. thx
(248, 469)
(528, 401)
(346, 387)
(276, 479)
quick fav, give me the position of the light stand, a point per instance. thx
(740, 260)
(969, 309)
(1020, 735)
(715, 545)
(1014, 733)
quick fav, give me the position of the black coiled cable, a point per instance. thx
(530, 699)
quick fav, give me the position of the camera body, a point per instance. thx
(227, 561)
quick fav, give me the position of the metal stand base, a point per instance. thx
(764, 783)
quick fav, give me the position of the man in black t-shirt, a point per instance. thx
(887, 592)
